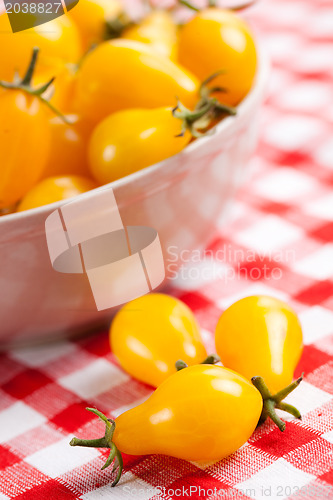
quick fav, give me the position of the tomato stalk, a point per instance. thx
(114, 27)
(206, 92)
(273, 402)
(213, 3)
(207, 110)
(193, 120)
(104, 442)
(212, 359)
(24, 84)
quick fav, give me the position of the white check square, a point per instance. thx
(317, 322)
(284, 184)
(269, 234)
(256, 289)
(277, 481)
(328, 436)
(17, 419)
(318, 265)
(321, 208)
(42, 354)
(59, 458)
(129, 487)
(307, 397)
(98, 377)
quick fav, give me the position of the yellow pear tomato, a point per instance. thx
(260, 336)
(90, 16)
(158, 30)
(149, 334)
(64, 88)
(130, 140)
(219, 40)
(24, 143)
(58, 40)
(55, 189)
(68, 147)
(122, 74)
(202, 413)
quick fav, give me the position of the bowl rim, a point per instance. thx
(256, 91)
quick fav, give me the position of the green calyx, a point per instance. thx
(213, 3)
(205, 92)
(273, 402)
(212, 359)
(193, 121)
(104, 442)
(24, 84)
(206, 111)
(115, 26)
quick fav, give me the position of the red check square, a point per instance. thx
(26, 383)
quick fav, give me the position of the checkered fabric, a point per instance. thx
(279, 242)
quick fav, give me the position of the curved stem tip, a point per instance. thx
(273, 402)
(104, 442)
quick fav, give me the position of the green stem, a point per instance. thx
(189, 5)
(289, 409)
(242, 6)
(104, 442)
(269, 406)
(279, 396)
(111, 457)
(212, 4)
(26, 81)
(180, 365)
(273, 402)
(212, 359)
(90, 443)
(114, 27)
(24, 85)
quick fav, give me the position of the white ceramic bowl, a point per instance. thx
(181, 197)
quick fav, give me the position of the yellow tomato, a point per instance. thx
(202, 413)
(68, 147)
(122, 74)
(158, 30)
(55, 189)
(149, 334)
(217, 39)
(262, 336)
(58, 40)
(24, 143)
(63, 88)
(91, 16)
(133, 139)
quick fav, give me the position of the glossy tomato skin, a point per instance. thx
(260, 335)
(68, 147)
(201, 413)
(149, 334)
(24, 144)
(90, 17)
(158, 30)
(123, 74)
(219, 40)
(55, 189)
(58, 41)
(151, 134)
(63, 89)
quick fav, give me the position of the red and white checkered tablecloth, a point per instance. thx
(278, 242)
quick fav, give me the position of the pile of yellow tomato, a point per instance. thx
(200, 411)
(93, 96)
